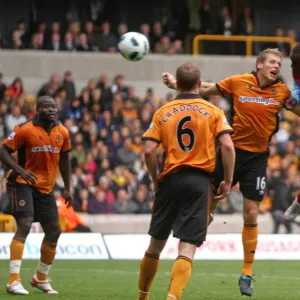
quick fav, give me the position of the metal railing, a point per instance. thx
(248, 39)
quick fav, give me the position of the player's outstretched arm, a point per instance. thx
(169, 80)
(8, 160)
(151, 160)
(206, 89)
(65, 171)
(296, 110)
(228, 160)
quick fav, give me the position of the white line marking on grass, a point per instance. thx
(196, 274)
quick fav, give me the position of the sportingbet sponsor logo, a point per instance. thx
(47, 148)
(260, 100)
(216, 247)
(70, 246)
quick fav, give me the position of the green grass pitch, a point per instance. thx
(117, 280)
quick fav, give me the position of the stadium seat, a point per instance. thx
(7, 223)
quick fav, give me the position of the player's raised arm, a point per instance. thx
(169, 80)
(206, 89)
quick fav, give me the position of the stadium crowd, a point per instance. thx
(170, 33)
(106, 121)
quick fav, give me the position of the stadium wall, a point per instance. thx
(139, 224)
(36, 67)
(95, 246)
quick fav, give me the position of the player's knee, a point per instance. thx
(156, 246)
(23, 227)
(188, 248)
(250, 214)
(53, 233)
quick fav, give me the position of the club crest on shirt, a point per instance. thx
(58, 138)
(273, 91)
(22, 202)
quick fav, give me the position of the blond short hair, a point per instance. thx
(262, 56)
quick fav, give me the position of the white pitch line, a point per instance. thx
(196, 274)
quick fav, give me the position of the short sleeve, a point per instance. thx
(222, 125)
(67, 146)
(226, 86)
(16, 139)
(153, 133)
(296, 91)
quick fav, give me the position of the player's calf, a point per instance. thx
(16, 254)
(48, 249)
(148, 267)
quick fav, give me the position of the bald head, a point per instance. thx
(43, 99)
(188, 77)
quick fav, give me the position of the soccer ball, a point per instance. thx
(133, 46)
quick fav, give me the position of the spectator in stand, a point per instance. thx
(145, 30)
(120, 86)
(83, 44)
(68, 44)
(74, 29)
(106, 92)
(16, 42)
(51, 87)
(55, 43)
(163, 46)
(122, 29)
(23, 32)
(2, 87)
(69, 218)
(109, 173)
(124, 204)
(126, 156)
(92, 37)
(55, 28)
(205, 14)
(34, 44)
(69, 86)
(176, 47)
(98, 204)
(16, 89)
(246, 22)
(41, 31)
(108, 41)
(156, 34)
(14, 118)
